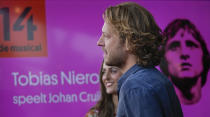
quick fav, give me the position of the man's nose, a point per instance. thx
(100, 42)
(184, 57)
(185, 53)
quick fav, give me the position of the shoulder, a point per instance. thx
(146, 80)
(92, 113)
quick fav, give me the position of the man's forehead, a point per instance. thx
(107, 27)
(183, 35)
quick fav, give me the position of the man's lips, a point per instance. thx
(185, 66)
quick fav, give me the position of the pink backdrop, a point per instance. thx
(68, 76)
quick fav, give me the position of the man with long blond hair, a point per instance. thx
(131, 41)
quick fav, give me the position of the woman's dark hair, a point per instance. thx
(105, 106)
(171, 30)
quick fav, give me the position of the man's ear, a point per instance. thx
(127, 45)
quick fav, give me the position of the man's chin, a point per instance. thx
(108, 61)
(105, 59)
(187, 75)
(111, 61)
(104, 55)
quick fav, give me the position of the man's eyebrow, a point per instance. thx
(190, 43)
(173, 44)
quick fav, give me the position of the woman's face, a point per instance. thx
(110, 77)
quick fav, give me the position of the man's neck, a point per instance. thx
(131, 61)
(195, 91)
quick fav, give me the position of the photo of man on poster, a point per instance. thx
(186, 60)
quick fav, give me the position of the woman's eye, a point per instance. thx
(103, 71)
(114, 70)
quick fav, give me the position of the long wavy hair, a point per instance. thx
(185, 24)
(137, 28)
(105, 105)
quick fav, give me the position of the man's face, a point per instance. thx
(114, 49)
(184, 55)
(110, 77)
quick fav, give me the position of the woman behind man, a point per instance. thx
(107, 105)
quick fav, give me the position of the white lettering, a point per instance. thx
(79, 78)
(88, 97)
(61, 98)
(20, 100)
(34, 80)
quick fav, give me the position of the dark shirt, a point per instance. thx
(146, 92)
